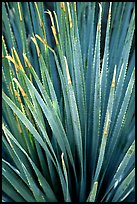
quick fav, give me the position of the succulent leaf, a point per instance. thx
(68, 101)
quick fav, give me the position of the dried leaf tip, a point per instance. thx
(55, 34)
(42, 40)
(18, 59)
(18, 97)
(67, 71)
(41, 23)
(62, 6)
(109, 12)
(35, 3)
(18, 124)
(99, 20)
(92, 195)
(36, 44)
(13, 61)
(51, 17)
(3, 126)
(100, 6)
(10, 88)
(114, 78)
(20, 88)
(62, 159)
(56, 18)
(19, 8)
(26, 60)
(40, 20)
(53, 26)
(2, 38)
(30, 77)
(75, 8)
(107, 123)
(70, 19)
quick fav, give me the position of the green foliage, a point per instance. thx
(68, 80)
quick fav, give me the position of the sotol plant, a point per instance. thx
(68, 101)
